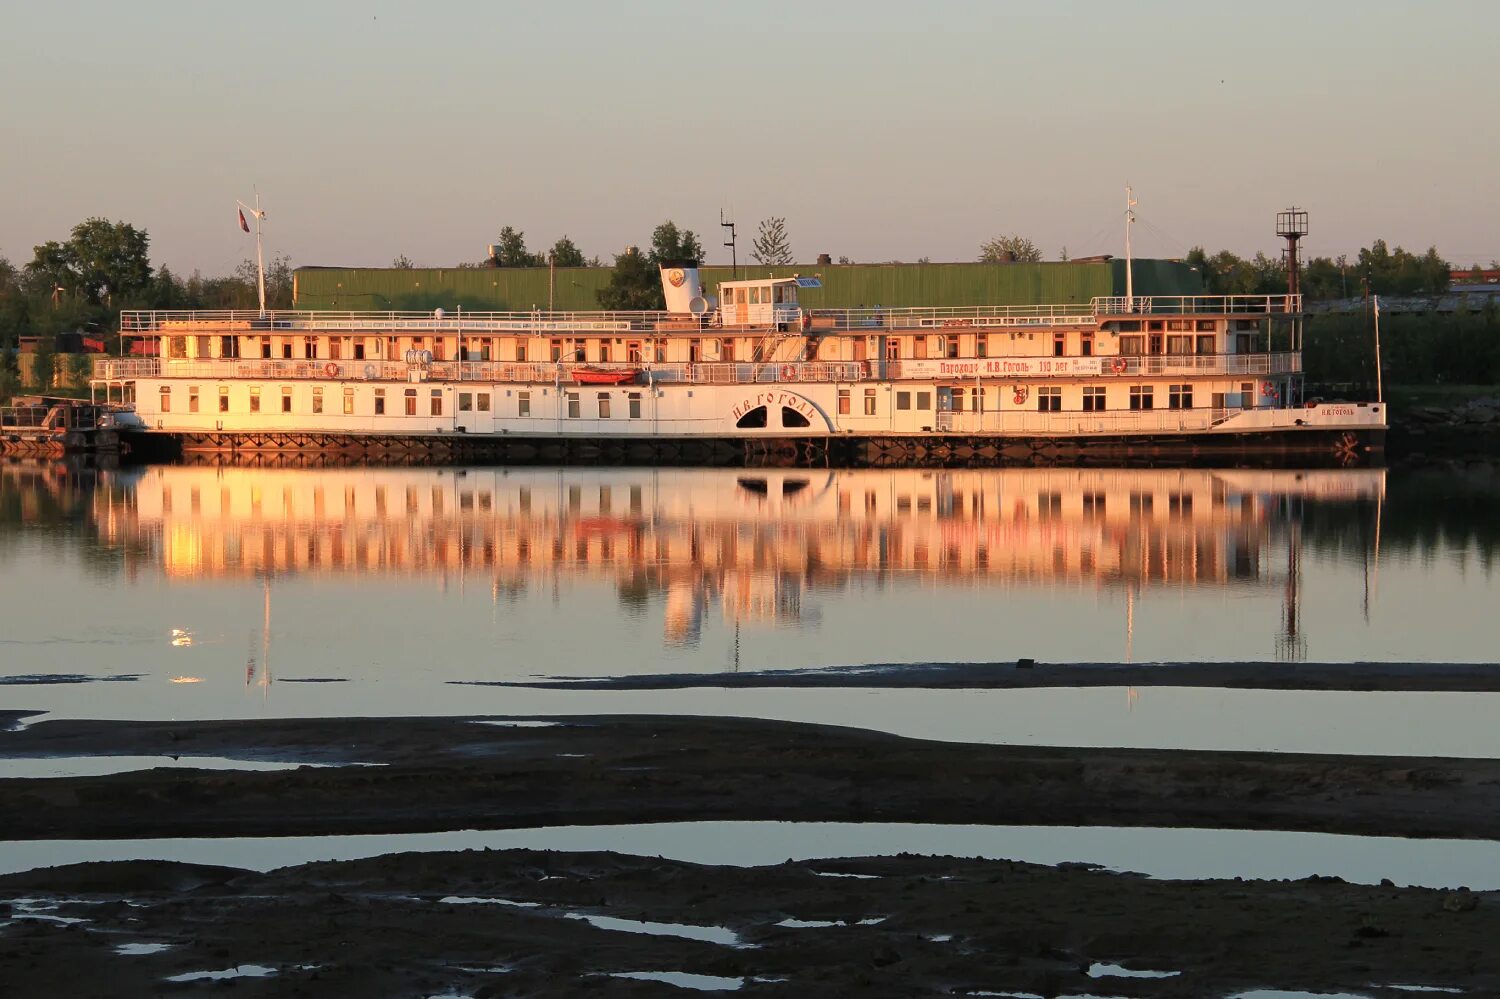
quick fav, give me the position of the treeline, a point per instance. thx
(1376, 268)
(82, 284)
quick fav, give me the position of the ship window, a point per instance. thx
(309, 348)
(1093, 398)
(265, 348)
(317, 399)
(1059, 344)
(286, 349)
(1206, 344)
(1178, 325)
(1154, 326)
(1179, 397)
(1049, 399)
(1205, 326)
(603, 405)
(223, 398)
(893, 349)
(979, 399)
(843, 402)
(573, 406)
(465, 402)
(791, 418)
(903, 400)
(1179, 345)
(192, 398)
(924, 400)
(484, 402)
(523, 403)
(520, 349)
(1142, 397)
(349, 401)
(255, 398)
(752, 420)
(869, 402)
(633, 351)
(981, 345)
(286, 399)
(410, 399)
(436, 404)
(635, 405)
(952, 346)
(166, 398)
(957, 396)
(1132, 346)
(380, 402)
(200, 346)
(177, 346)
(1086, 343)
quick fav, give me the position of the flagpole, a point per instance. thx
(260, 259)
(1379, 387)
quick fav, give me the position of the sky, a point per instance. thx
(879, 130)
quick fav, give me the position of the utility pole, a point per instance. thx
(734, 262)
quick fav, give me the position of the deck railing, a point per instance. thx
(169, 322)
(956, 370)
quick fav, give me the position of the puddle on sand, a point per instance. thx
(1103, 969)
(1280, 994)
(684, 980)
(1163, 853)
(818, 924)
(468, 900)
(238, 971)
(138, 949)
(1423, 988)
(101, 766)
(708, 934)
(1100, 969)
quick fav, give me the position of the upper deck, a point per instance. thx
(166, 322)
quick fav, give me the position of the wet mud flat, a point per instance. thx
(529, 923)
(436, 774)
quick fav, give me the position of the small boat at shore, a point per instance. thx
(605, 376)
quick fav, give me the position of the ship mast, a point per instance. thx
(1130, 204)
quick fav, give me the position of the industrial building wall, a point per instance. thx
(844, 285)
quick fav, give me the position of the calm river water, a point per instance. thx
(223, 592)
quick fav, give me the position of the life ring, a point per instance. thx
(1266, 388)
(369, 371)
(1117, 365)
(788, 373)
(331, 370)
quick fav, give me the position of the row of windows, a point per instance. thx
(467, 402)
(700, 349)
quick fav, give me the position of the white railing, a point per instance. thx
(1206, 305)
(956, 370)
(648, 323)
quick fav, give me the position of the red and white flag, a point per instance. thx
(243, 224)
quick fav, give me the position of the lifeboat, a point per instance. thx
(605, 376)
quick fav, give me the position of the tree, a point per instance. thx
(43, 364)
(278, 284)
(635, 283)
(111, 258)
(670, 243)
(770, 246)
(80, 367)
(402, 263)
(510, 250)
(1009, 250)
(565, 253)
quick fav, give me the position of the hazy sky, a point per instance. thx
(880, 130)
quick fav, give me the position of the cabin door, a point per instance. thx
(945, 407)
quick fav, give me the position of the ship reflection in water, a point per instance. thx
(758, 544)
